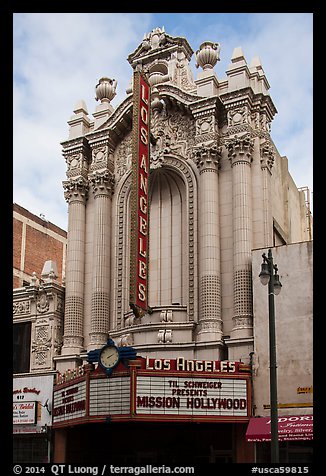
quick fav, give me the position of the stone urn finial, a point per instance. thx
(208, 55)
(105, 89)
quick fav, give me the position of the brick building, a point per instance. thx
(39, 251)
(35, 240)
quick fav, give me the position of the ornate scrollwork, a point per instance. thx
(240, 148)
(75, 189)
(267, 155)
(207, 157)
(102, 183)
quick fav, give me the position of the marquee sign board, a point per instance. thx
(191, 396)
(69, 403)
(147, 389)
(139, 196)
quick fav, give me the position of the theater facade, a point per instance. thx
(168, 194)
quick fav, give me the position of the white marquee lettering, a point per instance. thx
(143, 163)
(144, 115)
(142, 226)
(142, 268)
(142, 292)
(144, 135)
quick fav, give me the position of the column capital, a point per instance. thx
(240, 149)
(207, 157)
(75, 189)
(102, 183)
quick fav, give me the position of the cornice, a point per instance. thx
(256, 101)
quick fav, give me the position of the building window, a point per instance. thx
(21, 347)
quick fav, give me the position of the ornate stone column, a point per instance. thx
(75, 193)
(240, 154)
(102, 185)
(210, 321)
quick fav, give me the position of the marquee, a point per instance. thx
(155, 390)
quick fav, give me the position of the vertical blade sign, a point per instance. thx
(139, 196)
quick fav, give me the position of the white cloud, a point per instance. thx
(59, 58)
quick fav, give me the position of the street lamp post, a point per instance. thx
(267, 276)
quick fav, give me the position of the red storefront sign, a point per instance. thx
(290, 428)
(139, 196)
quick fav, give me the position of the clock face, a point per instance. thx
(109, 357)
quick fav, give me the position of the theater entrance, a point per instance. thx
(138, 443)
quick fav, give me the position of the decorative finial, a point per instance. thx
(105, 89)
(208, 55)
(34, 279)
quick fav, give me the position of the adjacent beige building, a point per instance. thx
(294, 332)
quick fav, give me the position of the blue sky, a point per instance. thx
(59, 58)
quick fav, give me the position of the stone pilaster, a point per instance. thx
(240, 154)
(75, 193)
(102, 185)
(210, 321)
(267, 161)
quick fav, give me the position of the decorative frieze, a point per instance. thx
(238, 115)
(21, 308)
(123, 156)
(174, 134)
(76, 154)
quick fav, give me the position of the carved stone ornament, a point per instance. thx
(208, 55)
(267, 155)
(22, 307)
(75, 189)
(164, 336)
(237, 116)
(102, 183)
(207, 156)
(105, 89)
(210, 326)
(125, 340)
(175, 134)
(123, 158)
(240, 147)
(42, 303)
(76, 157)
(155, 39)
(41, 345)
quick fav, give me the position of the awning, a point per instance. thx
(290, 428)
